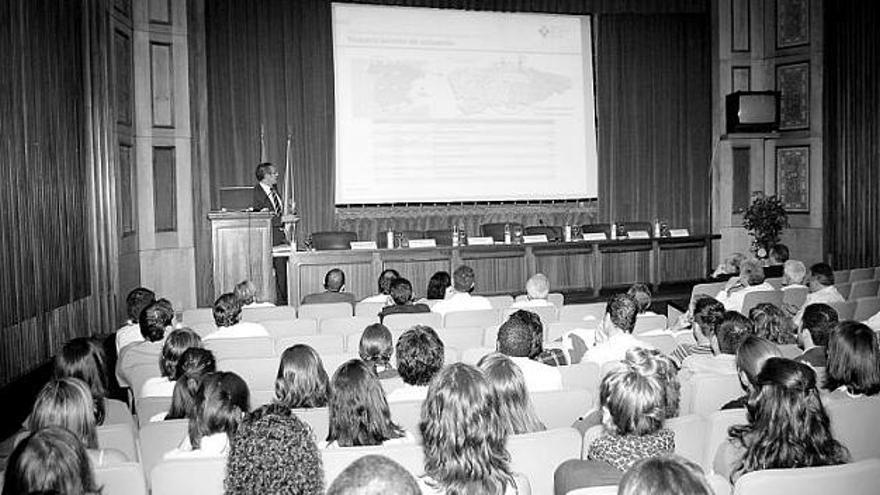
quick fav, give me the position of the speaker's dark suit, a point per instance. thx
(261, 201)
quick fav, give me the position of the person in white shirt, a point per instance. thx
(730, 333)
(420, 354)
(175, 345)
(614, 333)
(520, 338)
(246, 292)
(461, 298)
(221, 401)
(537, 290)
(751, 279)
(138, 299)
(793, 274)
(822, 290)
(384, 296)
(227, 317)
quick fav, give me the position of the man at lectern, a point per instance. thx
(266, 198)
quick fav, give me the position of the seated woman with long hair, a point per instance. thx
(221, 402)
(175, 345)
(634, 407)
(853, 365)
(84, 359)
(750, 358)
(67, 402)
(438, 286)
(376, 348)
(464, 438)
(302, 382)
(192, 366)
(50, 460)
(516, 411)
(773, 324)
(787, 428)
(359, 413)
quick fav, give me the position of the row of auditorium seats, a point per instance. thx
(537, 455)
(341, 240)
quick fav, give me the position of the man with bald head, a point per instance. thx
(374, 475)
(334, 287)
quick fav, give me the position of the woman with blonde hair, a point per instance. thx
(464, 439)
(68, 403)
(516, 411)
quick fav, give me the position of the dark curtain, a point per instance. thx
(654, 112)
(43, 236)
(852, 133)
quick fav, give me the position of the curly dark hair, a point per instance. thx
(359, 413)
(420, 355)
(708, 312)
(521, 335)
(464, 440)
(155, 319)
(773, 324)
(138, 299)
(227, 310)
(623, 309)
(274, 452)
(788, 426)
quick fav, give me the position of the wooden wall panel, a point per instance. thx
(160, 12)
(165, 188)
(161, 71)
(625, 268)
(565, 271)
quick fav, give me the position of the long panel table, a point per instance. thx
(504, 269)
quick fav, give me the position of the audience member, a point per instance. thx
(138, 299)
(666, 474)
(84, 359)
(750, 279)
(653, 363)
(793, 274)
(154, 322)
(516, 412)
(707, 314)
(420, 354)
(438, 286)
(402, 300)
(642, 294)
(822, 290)
(853, 368)
(273, 451)
(67, 402)
(776, 259)
(817, 323)
(730, 333)
(537, 290)
(376, 348)
(787, 425)
(221, 401)
(461, 298)
(728, 268)
(246, 293)
(614, 334)
(334, 290)
(374, 475)
(302, 382)
(464, 440)
(359, 414)
(750, 357)
(227, 317)
(387, 276)
(50, 461)
(521, 338)
(194, 364)
(175, 345)
(634, 409)
(773, 324)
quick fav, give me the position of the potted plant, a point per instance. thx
(764, 219)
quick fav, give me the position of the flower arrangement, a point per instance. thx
(764, 219)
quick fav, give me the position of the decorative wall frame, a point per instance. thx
(740, 78)
(793, 177)
(740, 26)
(793, 84)
(792, 23)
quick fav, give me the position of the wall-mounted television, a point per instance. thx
(752, 111)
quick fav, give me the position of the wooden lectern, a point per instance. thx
(242, 249)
